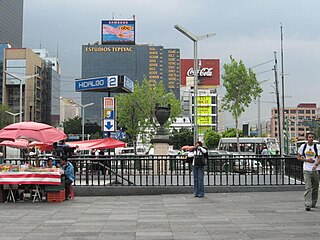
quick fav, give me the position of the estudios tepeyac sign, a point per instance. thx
(115, 84)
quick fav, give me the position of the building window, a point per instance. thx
(293, 111)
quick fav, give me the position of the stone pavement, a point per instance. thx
(247, 215)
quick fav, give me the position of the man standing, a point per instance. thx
(68, 173)
(198, 164)
(308, 153)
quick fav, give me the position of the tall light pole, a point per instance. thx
(20, 80)
(14, 115)
(70, 101)
(195, 40)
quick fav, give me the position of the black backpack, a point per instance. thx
(314, 147)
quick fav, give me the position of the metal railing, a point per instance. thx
(167, 170)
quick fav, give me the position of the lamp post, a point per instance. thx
(70, 101)
(195, 40)
(14, 115)
(20, 80)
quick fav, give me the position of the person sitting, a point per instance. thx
(68, 173)
(50, 163)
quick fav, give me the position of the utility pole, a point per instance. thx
(278, 103)
(282, 84)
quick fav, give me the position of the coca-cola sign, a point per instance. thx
(203, 72)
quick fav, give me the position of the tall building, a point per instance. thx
(137, 62)
(11, 22)
(35, 79)
(2, 47)
(296, 121)
(208, 81)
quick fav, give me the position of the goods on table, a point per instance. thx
(26, 168)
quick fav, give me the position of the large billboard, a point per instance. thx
(208, 72)
(118, 32)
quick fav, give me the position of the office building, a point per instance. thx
(137, 62)
(39, 83)
(11, 22)
(297, 121)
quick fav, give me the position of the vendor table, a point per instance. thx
(35, 178)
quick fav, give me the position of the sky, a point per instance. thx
(249, 30)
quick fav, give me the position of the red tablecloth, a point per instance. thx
(43, 178)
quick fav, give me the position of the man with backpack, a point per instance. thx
(199, 156)
(308, 153)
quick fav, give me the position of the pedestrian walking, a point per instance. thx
(308, 153)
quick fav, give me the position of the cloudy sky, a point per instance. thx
(248, 30)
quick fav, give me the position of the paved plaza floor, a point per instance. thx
(247, 215)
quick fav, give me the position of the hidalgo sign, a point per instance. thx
(118, 83)
(208, 73)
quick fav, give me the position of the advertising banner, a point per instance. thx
(118, 32)
(208, 72)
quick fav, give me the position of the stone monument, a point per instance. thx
(161, 139)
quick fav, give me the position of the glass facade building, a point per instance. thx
(11, 22)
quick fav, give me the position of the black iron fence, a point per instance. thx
(166, 170)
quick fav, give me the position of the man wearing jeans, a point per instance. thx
(309, 154)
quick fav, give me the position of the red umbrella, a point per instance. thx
(32, 131)
(103, 143)
(20, 143)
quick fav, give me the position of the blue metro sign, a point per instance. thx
(117, 83)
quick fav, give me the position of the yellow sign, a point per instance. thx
(204, 100)
(203, 129)
(205, 110)
(204, 120)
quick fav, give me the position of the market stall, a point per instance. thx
(13, 175)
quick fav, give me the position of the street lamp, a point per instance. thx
(195, 40)
(20, 80)
(70, 101)
(14, 115)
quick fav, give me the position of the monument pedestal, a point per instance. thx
(161, 147)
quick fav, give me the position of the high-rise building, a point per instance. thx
(137, 62)
(40, 83)
(2, 47)
(11, 22)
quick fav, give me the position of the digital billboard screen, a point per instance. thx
(118, 32)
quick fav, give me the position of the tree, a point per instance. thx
(73, 125)
(135, 111)
(211, 139)
(181, 137)
(241, 88)
(231, 132)
(5, 118)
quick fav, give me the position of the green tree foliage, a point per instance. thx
(73, 125)
(241, 88)
(182, 137)
(135, 111)
(231, 132)
(211, 139)
(6, 118)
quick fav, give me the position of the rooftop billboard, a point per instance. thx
(208, 72)
(118, 32)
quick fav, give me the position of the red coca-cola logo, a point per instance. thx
(203, 72)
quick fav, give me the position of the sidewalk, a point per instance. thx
(249, 215)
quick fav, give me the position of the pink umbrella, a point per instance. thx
(20, 143)
(32, 131)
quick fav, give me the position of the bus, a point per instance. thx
(249, 146)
